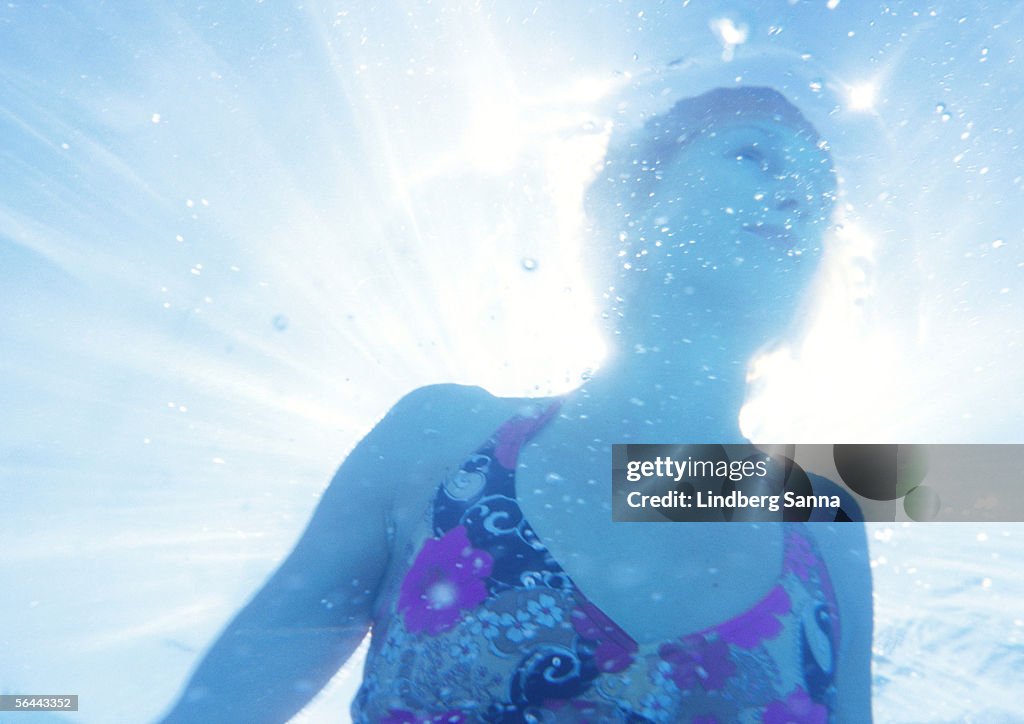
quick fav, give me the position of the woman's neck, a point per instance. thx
(680, 390)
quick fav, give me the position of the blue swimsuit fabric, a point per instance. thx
(485, 626)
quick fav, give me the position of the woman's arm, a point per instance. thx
(289, 640)
(851, 567)
(845, 548)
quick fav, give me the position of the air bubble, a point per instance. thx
(280, 322)
(528, 263)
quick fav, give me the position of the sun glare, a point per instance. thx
(862, 97)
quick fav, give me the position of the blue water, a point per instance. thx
(231, 235)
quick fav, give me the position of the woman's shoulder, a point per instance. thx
(466, 403)
(437, 421)
(444, 394)
(427, 434)
(447, 399)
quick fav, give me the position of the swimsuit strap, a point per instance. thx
(515, 432)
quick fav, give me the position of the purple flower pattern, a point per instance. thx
(446, 578)
(615, 648)
(759, 623)
(798, 708)
(696, 660)
(800, 557)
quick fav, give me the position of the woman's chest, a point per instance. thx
(546, 513)
(655, 580)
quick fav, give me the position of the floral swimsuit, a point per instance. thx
(487, 627)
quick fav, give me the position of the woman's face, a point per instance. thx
(738, 212)
(757, 184)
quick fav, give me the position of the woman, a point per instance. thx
(499, 590)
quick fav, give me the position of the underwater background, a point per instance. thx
(232, 235)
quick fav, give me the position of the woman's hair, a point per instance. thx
(634, 158)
